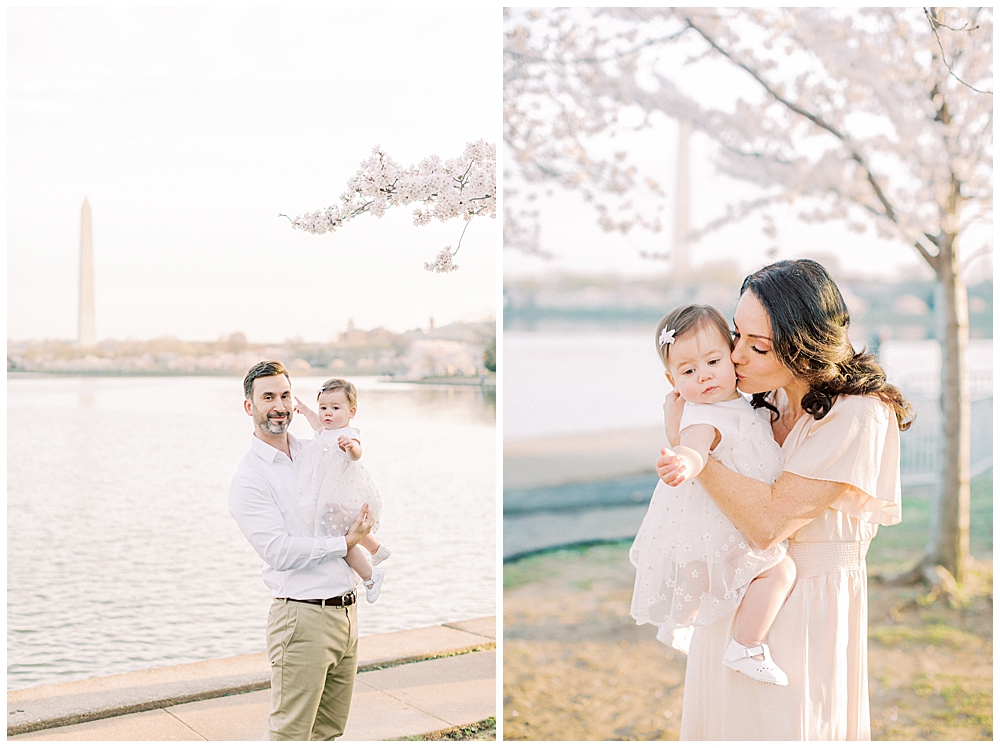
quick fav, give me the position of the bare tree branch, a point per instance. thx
(932, 260)
(459, 245)
(966, 27)
(745, 209)
(935, 23)
(753, 154)
(860, 203)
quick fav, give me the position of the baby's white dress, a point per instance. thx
(692, 565)
(331, 487)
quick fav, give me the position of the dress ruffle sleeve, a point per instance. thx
(695, 413)
(856, 443)
(725, 417)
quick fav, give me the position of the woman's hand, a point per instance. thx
(673, 409)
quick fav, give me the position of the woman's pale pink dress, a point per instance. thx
(820, 635)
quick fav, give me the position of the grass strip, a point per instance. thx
(484, 730)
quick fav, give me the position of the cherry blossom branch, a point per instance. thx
(445, 260)
(523, 59)
(463, 187)
(562, 86)
(814, 118)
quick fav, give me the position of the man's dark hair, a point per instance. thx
(263, 369)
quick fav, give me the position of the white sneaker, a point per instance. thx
(374, 585)
(740, 659)
(381, 554)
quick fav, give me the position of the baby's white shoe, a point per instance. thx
(381, 554)
(740, 659)
(374, 585)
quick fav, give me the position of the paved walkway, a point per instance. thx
(583, 516)
(608, 454)
(410, 683)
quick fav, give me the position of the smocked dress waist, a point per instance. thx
(832, 557)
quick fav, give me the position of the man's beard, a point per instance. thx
(273, 428)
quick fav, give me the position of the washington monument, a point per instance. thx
(87, 336)
(682, 203)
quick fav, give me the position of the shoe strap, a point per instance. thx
(749, 652)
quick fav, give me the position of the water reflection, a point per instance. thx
(86, 392)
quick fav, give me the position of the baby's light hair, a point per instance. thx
(348, 388)
(685, 318)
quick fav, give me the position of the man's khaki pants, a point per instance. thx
(314, 657)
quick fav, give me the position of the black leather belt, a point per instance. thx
(340, 601)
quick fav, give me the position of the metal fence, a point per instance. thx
(920, 445)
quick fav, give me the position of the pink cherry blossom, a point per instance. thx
(462, 187)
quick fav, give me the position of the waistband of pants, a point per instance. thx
(817, 559)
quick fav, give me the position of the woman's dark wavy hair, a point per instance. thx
(809, 322)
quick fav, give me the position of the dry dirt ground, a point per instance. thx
(576, 667)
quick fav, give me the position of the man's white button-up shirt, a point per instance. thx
(262, 501)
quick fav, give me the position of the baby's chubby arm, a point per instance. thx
(351, 446)
(695, 443)
(311, 416)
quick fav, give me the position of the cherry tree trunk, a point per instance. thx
(948, 542)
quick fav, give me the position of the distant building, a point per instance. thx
(354, 338)
(442, 358)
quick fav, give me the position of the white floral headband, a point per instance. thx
(666, 337)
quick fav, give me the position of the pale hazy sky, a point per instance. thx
(190, 130)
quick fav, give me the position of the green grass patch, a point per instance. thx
(899, 546)
(935, 634)
(968, 704)
(924, 687)
(534, 568)
(957, 708)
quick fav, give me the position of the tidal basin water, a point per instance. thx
(122, 555)
(576, 381)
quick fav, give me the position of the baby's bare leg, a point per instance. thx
(761, 603)
(369, 543)
(357, 561)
